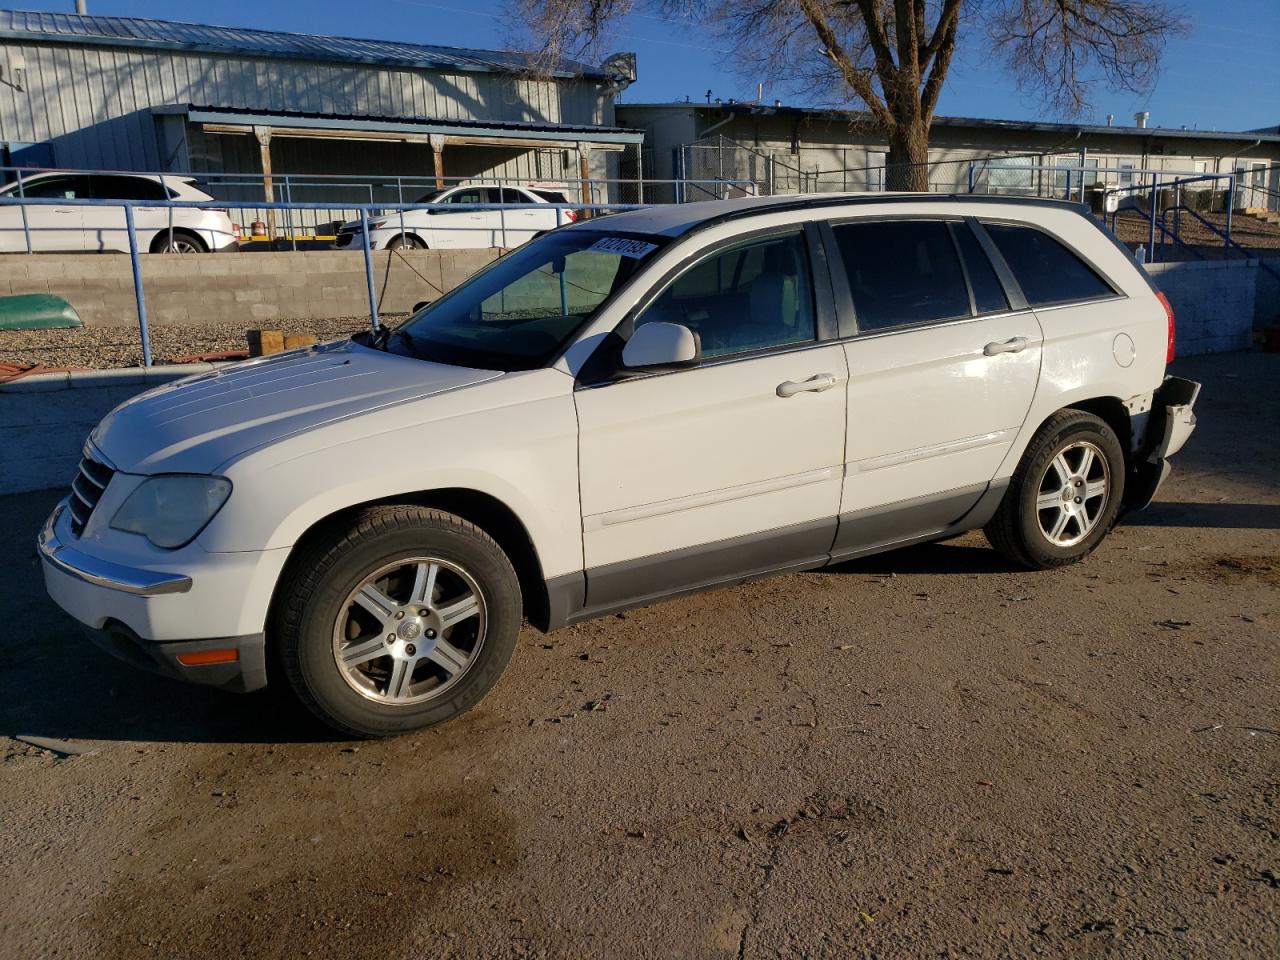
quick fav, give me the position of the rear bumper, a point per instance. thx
(1172, 422)
(245, 673)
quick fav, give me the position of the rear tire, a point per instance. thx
(400, 618)
(1065, 495)
(181, 242)
(405, 241)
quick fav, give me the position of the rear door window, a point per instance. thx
(1046, 270)
(470, 195)
(106, 187)
(902, 272)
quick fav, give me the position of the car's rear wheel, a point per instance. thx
(179, 242)
(403, 618)
(405, 241)
(1065, 494)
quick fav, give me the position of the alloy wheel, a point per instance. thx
(410, 631)
(1073, 494)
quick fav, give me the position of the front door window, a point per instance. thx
(751, 297)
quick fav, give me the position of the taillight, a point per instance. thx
(570, 215)
(235, 228)
(1168, 309)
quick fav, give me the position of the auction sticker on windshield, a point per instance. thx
(635, 249)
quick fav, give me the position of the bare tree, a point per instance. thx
(894, 55)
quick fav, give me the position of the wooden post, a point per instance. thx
(437, 156)
(263, 136)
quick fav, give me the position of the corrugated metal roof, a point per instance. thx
(1018, 126)
(347, 121)
(178, 35)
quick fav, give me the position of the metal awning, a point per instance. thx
(405, 129)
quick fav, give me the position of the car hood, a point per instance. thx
(199, 423)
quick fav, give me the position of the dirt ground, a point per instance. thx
(923, 754)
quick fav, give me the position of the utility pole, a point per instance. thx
(82, 7)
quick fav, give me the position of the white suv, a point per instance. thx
(53, 228)
(465, 227)
(673, 399)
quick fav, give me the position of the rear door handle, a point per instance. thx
(1012, 345)
(815, 384)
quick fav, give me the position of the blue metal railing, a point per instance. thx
(375, 322)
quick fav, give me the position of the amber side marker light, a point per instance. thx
(1168, 310)
(199, 658)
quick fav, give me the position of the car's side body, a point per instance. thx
(525, 215)
(91, 228)
(614, 488)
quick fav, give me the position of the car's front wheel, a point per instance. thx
(402, 618)
(1065, 494)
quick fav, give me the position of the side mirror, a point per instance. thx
(660, 344)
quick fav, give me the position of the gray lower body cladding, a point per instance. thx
(632, 583)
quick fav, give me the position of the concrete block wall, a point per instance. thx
(255, 288)
(1266, 302)
(45, 419)
(1213, 303)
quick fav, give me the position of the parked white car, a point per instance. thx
(464, 228)
(76, 228)
(668, 400)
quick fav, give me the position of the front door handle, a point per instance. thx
(815, 384)
(1012, 345)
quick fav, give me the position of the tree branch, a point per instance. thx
(858, 79)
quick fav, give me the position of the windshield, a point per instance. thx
(518, 313)
(429, 197)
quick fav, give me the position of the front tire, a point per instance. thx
(401, 618)
(1065, 495)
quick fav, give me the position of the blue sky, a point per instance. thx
(1225, 74)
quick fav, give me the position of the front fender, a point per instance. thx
(523, 454)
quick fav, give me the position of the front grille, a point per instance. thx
(86, 491)
(345, 239)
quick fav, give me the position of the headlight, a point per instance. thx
(170, 511)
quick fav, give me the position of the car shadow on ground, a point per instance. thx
(1234, 516)
(937, 557)
(949, 556)
(55, 683)
(76, 692)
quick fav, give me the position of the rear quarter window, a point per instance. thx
(1046, 269)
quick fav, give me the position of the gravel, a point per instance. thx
(102, 347)
(925, 753)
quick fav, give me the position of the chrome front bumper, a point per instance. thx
(103, 573)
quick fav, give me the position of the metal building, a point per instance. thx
(788, 149)
(132, 94)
